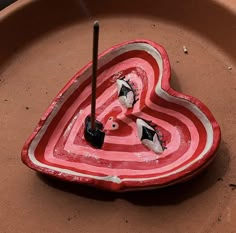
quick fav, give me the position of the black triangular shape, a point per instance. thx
(147, 133)
(124, 91)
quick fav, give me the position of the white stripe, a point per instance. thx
(108, 57)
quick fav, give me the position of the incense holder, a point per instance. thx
(154, 136)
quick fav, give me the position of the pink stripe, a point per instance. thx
(34, 151)
(50, 146)
(120, 156)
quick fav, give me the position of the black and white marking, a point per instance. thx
(149, 136)
(126, 93)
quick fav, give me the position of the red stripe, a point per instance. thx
(128, 184)
(127, 148)
(165, 161)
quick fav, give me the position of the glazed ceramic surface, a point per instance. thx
(189, 132)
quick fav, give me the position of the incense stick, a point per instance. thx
(94, 75)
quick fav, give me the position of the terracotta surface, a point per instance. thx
(44, 43)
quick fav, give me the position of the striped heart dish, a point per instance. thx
(154, 136)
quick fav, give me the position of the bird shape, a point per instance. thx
(126, 93)
(149, 136)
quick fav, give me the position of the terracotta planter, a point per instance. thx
(44, 43)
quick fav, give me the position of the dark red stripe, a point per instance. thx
(40, 153)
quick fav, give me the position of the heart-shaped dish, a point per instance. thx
(188, 130)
